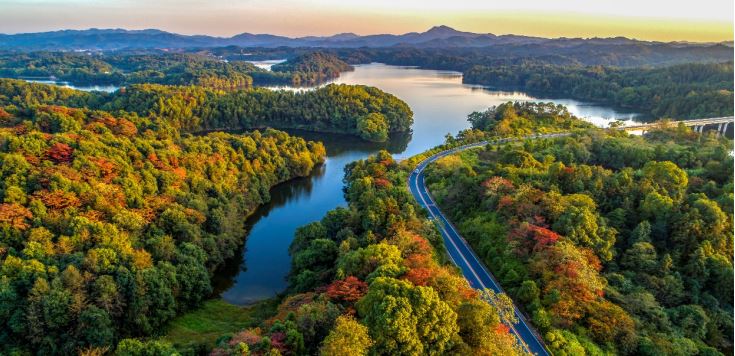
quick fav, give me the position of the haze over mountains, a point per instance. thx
(436, 37)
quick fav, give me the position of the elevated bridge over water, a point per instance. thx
(698, 125)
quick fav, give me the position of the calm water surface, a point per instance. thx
(440, 103)
(267, 64)
(103, 88)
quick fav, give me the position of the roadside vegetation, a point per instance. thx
(611, 243)
(372, 279)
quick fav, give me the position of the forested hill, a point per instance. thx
(364, 111)
(681, 91)
(613, 244)
(126, 69)
(313, 68)
(157, 67)
(112, 224)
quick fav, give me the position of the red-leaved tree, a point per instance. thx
(60, 153)
(349, 290)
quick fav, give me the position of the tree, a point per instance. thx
(640, 257)
(348, 337)
(96, 327)
(373, 127)
(476, 320)
(581, 224)
(573, 275)
(348, 290)
(609, 323)
(133, 347)
(15, 215)
(60, 152)
(404, 319)
(666, 178)
(364, 261)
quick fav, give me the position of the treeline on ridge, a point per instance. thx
(352, 109)
(155, 67)
(683, 91)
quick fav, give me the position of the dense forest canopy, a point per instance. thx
(132, 67)
(114, 215)
(126, 69)
(572, 53)
(682, 91)
(364, 111)
(368, 279)
(110, 225)
(313, 68)
(612, 243)
(660, 87)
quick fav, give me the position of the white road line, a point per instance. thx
(461, 254)
(444, 221)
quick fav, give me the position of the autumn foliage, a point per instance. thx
(349, 290)
(15, 215)
(60, 153)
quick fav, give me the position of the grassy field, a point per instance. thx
(199, 329)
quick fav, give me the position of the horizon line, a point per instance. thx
(356, 34)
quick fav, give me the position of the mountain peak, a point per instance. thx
(442, 29)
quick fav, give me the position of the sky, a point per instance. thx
(661, 20)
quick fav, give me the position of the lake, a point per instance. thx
(440, 103)
(267, 64)
(103, 88)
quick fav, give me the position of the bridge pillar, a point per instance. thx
(719, 129)
(724, 129)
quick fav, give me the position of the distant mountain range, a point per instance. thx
(436, 37)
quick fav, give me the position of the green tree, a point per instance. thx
(348, 337)
(373, 127)
(407, 320)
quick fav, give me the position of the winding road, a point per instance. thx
(459, 250)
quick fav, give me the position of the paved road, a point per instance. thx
(461, 253)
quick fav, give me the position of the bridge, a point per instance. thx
(698, 124)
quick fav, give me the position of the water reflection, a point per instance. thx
(259, 271)
(102, 88)
(281, 195)
(440, 103)
(267, 64)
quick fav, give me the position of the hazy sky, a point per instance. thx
(695, 20)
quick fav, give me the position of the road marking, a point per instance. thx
(417, 174)
(467, 263)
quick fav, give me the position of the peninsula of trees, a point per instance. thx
(127, 68)
(364, 111)
(313, 68)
